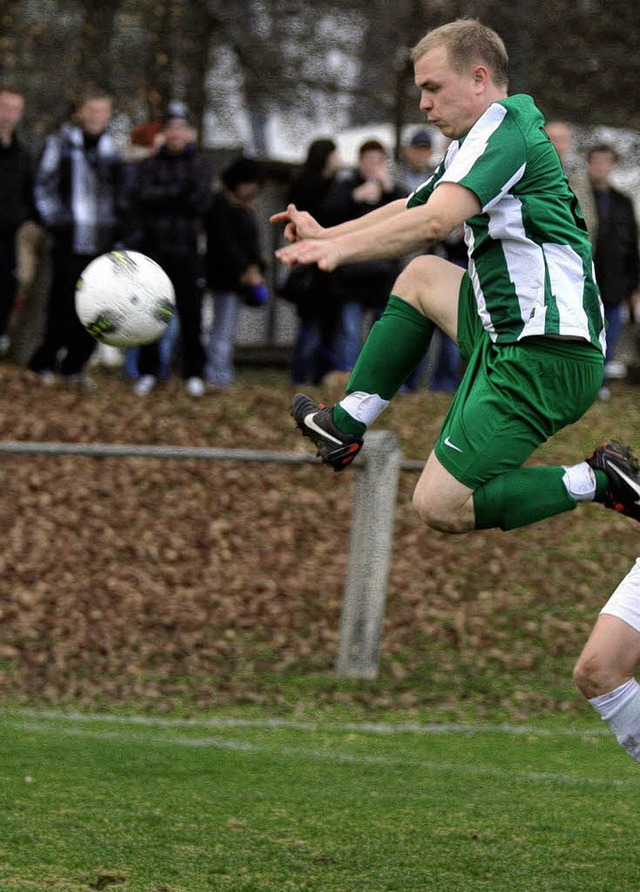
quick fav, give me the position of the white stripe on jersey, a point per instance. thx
(524, 260)
(562, 263)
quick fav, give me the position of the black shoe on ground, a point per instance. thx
(335, 448)
(622, 470)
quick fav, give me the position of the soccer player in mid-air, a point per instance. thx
(527, 315)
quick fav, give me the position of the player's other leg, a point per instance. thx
(605, 671)
(424, 295)
(511, 399)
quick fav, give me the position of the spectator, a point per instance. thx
(171, 195)
(308, 288)
(417, 161)
(79, 195)
(235, 263)
(145, 140)
(361, 286)
(16, 203)
(615, 255)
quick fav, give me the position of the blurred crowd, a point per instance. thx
(83, 196)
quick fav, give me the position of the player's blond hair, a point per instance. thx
(468, 42)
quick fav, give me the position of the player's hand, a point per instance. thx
(299, 224)
(323, 253)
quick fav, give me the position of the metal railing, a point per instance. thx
(371, 540)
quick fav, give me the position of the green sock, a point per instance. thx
(521, 497)
(395, 345)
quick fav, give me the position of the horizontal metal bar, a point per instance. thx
(118, 450)
(125, 450)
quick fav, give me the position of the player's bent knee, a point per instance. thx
(416, 276)
(437, 517)
(594, 676)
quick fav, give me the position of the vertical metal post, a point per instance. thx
(370, 548)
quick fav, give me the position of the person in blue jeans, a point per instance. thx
(360, 288)
(171, 195)
(234, 262)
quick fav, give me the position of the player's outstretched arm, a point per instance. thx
(395, 236)
(301, 225)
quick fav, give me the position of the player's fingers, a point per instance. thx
(290, 232)
(284, 255)
(279, 217)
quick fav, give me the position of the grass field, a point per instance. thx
(153, 805)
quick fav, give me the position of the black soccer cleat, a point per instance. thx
(335, 448)
(622, 470)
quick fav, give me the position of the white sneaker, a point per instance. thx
(144, 385)
(615, 368)
(195, 386)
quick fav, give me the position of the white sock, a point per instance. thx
(620, 709)
(580, 482)
(364, 407)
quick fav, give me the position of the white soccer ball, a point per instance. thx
(125, 299)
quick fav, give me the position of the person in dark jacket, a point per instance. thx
(234, 264)
(308, 288)
(361, 286)
(171, 195)
(80, 196)
(16, 203)
(615, 243)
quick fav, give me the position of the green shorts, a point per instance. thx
(512, 397)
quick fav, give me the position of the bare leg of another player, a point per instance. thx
(605, 671)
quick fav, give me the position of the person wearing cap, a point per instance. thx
(417, 161)
(171, 195)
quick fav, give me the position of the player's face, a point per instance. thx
(450, 99)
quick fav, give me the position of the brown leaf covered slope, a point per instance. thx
(170, 582)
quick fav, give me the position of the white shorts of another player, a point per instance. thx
(625, 601)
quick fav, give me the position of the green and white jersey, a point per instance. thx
(530, 258)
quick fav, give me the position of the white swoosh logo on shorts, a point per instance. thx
(447, 442)
(309, 422)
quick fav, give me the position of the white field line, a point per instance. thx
(67, 724)
(362, 727)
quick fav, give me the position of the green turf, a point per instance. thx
(186, 806)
